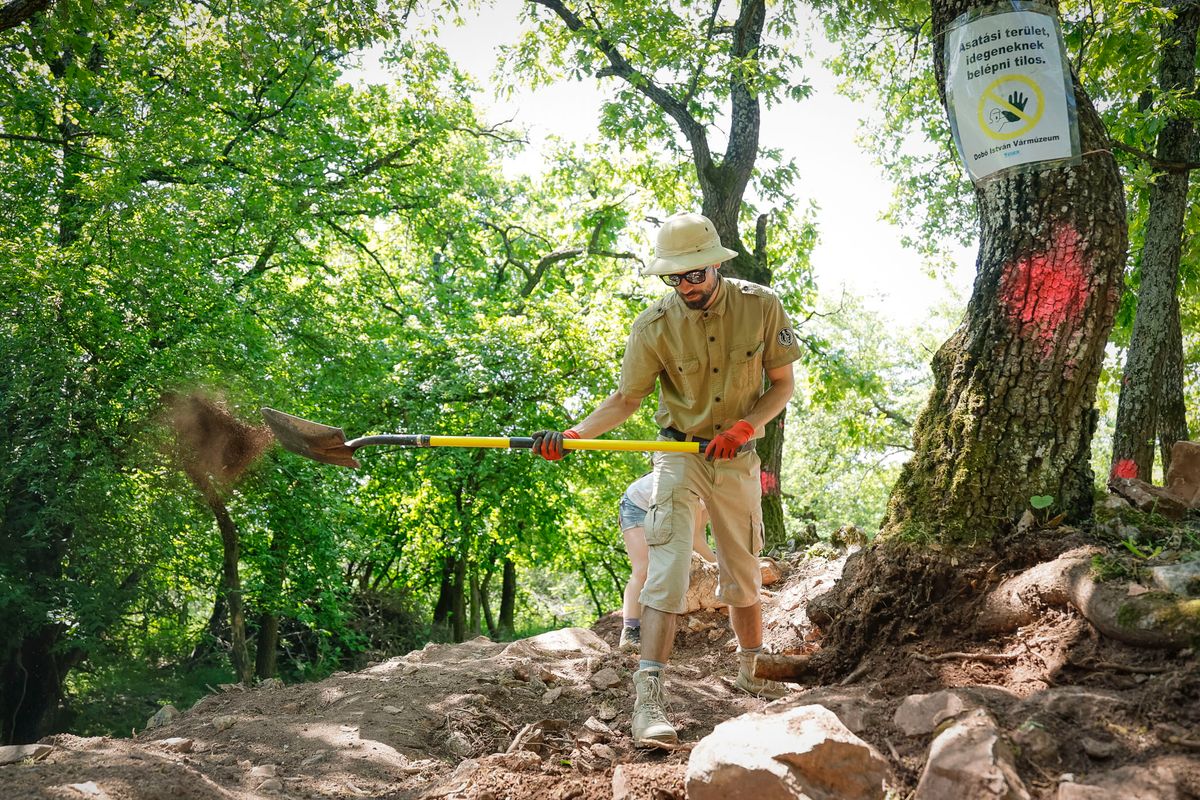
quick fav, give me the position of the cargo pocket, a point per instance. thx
(658, 522)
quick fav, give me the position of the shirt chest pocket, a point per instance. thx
(745, 366)
(685, 377)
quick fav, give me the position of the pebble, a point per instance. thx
(178, 744)
(271, 785)
(1098, 749)
(224, 722)
(552, 695)
(391, 709)
(263, 771)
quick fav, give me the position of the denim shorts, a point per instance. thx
(629, 514)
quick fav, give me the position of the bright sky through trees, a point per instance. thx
(857, 249)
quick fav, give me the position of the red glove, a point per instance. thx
(726, 445)
(549, 444)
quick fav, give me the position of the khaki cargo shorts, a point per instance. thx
(732, 492)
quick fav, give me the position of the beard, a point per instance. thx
(701, 300)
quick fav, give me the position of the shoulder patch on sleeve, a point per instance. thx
(786, 337)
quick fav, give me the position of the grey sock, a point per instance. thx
(646, 663)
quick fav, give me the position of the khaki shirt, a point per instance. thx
(709, 363)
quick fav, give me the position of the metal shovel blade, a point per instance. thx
(310, 439)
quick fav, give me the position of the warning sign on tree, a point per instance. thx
(1008, 87)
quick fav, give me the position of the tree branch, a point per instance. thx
(15, 12)
(621, 68)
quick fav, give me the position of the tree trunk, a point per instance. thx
(458, 600)
(267, 648)
(486, 603)
(231, 585)
(443, 607)
(508, 599)
(475, 604)
(32, 685)
(1145, 395)
(1010, 415)
(587, 581)
(1172, 414)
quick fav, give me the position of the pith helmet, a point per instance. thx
(685, 242)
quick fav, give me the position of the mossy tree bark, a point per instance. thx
(1010, 415)
(1151, 399)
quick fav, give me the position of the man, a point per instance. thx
(707, 344)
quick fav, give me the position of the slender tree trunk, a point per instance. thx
(587, 581)
(475, 629)
(231, 585)
(458, 600)
(1172, 414)
(444, 605)
(508, 599)
(486, 603)
(267, 645)
(1010, 415)
(1145, 395)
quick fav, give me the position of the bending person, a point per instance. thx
(708, 344)
(631, 517)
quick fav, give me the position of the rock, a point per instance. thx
(263, 771)
(1099, 749)
(969, 759)
(1036, 743)
(313, 759)
(1142, 782)
(607, 712)
(1183, 476)
(552, 695)
(271, 683)
(16, 753)
(802, 752)
(598, 730)
(771, 571)
(1076, 703)
(604, 751)
(702, 586)
(919, 714)
(177, 744)
(89, 789)
(392, 709)
(223, 722)
(458, 744)
(1182, 579)
(1027, 521)
(606, 678)
(1114, 502)
(162, 717)
(271, 785)
(1149, 498)
(562, 643)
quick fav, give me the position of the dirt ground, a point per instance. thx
(549, 717)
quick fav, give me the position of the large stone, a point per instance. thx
(702, 586)
(1183, 477)
(804, 753)
(562, 643)
(919, 714)
(1140, 782)
(647, 781)
(162, 717)
(1182, 579)
(970, 760)
(1147, 497)
(16, 753)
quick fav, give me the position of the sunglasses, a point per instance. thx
(695, 277)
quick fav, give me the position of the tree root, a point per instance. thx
(1153, 619)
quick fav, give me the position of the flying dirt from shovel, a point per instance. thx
(211, 443)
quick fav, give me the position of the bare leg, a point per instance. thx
(639, 559)
(658, 634)
(747, 625)
(700, 542)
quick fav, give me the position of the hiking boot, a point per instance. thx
(650, 711)
(631, 640)
(761, 687)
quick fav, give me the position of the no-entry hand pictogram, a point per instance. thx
(1010, 106)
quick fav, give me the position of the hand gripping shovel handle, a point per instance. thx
(328, 445)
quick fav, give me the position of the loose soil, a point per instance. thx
(548, 717)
